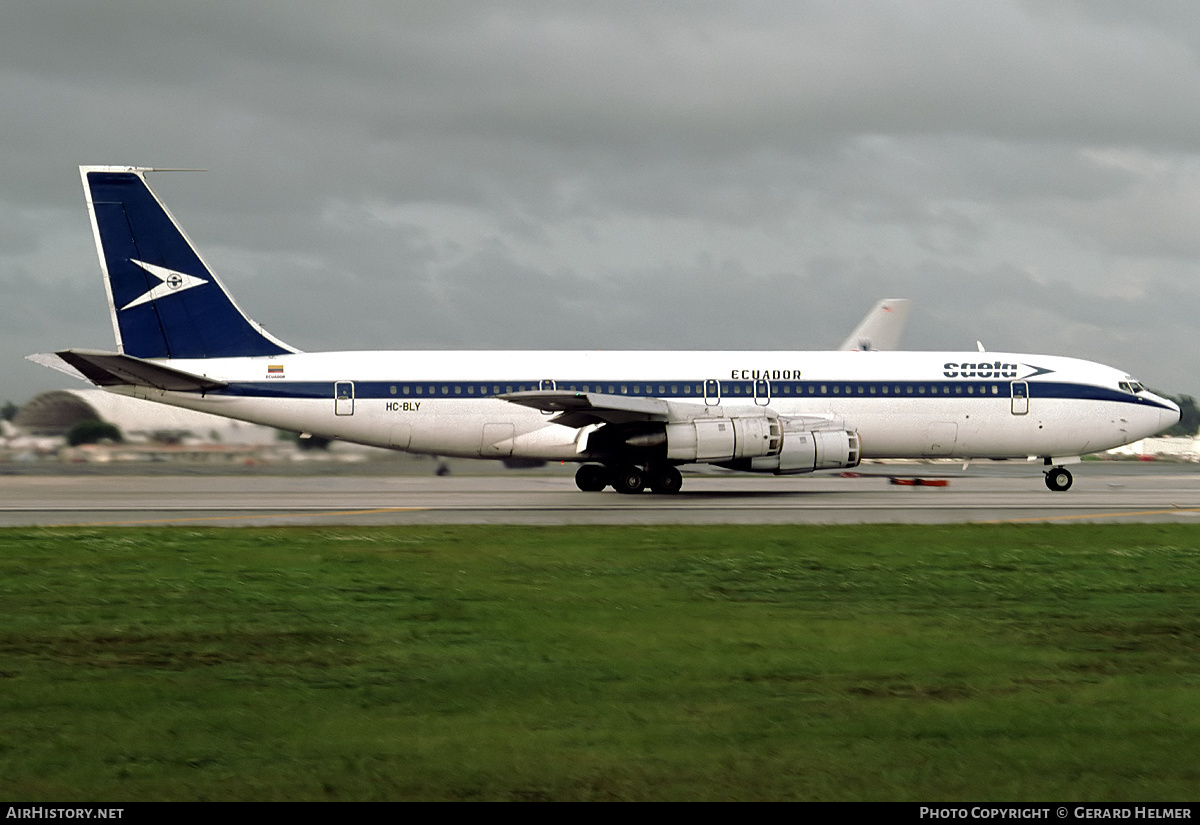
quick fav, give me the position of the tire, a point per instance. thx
(628, 480)
(591, 478)
(665, 480)
(1059, 480)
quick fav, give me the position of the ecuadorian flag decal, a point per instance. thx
(274, 369)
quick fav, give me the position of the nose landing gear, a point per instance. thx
(1059, 479)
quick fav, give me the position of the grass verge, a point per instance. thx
(862, 662)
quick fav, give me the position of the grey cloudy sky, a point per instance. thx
(708, 175)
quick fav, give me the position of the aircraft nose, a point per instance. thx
(1169, 417)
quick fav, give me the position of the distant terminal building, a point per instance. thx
(54, 413)
(1177, 448)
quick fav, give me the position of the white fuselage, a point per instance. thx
(901, 404)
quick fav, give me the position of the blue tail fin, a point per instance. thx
(164, 300)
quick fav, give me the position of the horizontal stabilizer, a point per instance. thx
(111, 369)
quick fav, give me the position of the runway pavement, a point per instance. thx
(1102, 493)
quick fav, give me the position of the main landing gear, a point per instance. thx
(1059, 479)
(629, 478)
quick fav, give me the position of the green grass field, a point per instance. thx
(834, 663)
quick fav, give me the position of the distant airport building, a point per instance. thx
(55, 413)
(1178, 448)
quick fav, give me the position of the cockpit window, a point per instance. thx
(1131, 386)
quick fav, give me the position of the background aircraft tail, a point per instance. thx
(881, 328)
(164, 300)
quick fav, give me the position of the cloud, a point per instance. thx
(626, 174)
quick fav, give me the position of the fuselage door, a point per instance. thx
(762, 392)
(1020, 397)
(343, 398)
(712, 392)
(940, 438)
(547, 384)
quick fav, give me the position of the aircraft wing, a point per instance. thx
(578, 409)
(112, 369)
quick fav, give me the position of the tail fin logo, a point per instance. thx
(171, 282)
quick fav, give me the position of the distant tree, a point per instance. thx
(9, 411)
(1189, 419)
(311, 442)
(522, 463)
(93, 431)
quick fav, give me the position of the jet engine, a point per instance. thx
(804, 451)
(755, 442)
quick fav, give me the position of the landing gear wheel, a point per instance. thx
(628, 479)
(664, 479)
(591, 478)
(1059, 479)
